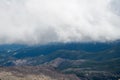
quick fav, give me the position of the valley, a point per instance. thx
(68, 64)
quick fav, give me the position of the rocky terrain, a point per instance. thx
(61, 62)
(33, 73)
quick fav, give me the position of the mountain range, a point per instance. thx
(81, 61)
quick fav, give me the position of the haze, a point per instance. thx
(45, 21)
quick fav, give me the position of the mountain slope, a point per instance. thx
(87, 65)
(33, 73)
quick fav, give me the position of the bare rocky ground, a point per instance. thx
(33, 73)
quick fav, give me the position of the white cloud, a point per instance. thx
(43, 21)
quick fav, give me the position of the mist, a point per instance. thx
(46, 21)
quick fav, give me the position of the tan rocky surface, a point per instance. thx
(33, 73)
(10, 76)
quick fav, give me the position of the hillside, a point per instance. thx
(33, 73)
(87, 65)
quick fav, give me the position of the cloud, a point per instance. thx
(44, 21)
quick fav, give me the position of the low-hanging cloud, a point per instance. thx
(44, 21)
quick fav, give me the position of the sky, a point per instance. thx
(46, 21)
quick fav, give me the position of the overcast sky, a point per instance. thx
(44, 21)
